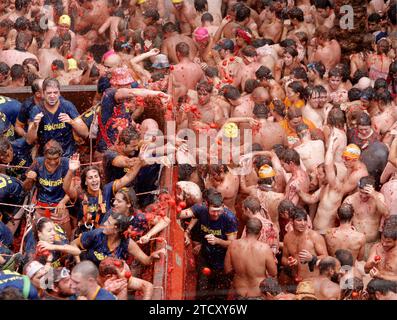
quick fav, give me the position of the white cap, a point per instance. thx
(32, 268)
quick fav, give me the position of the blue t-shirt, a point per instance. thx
(50, 185)
(6, 127)
(103, 294)
(6, 236)
(96, 244)
(11, 191)
(26, 109)
(60, 239)
(10, 107)
(15, 280)
(111, 113)
(52, 128)
(226, 224)
(22, 158)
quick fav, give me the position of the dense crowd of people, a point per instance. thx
(284, 139)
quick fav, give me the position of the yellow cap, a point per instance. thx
(72, 64)
(177, 1)
(266, 171)
(230, 130)
(351, 152)
(141, 1)
(305, 289)
(65, 19)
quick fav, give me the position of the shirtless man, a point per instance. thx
(139, 7)
(224, 182)
(355, 168)
(389, 192)
(299, 179)
(248, 69)
(63, 27)
(19, 54)
(47, 56)
(311, 152)
(324, 15)
(186, 73)
(297, 23)
(171, 39)
(385, 118)
(264, 191)
(324, 287)
(249, 273)
(369, 208)
(229, 64)
(378, 63)
(272, 26)
(382, 259)
(317, 108)
(183, 12)
(240, 107)
(323, 48)
(265, 77)
(270, 132)
(303, 248)
(346, 236)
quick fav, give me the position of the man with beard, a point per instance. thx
(62, 286)
(55, 119)
(326, 285)
(369, 208)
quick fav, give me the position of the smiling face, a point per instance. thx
(93, 181)
(300, 224)
(334, 82)
(7, 156)
(120, 205)
(52, 162)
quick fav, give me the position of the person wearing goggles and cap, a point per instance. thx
(60, 30)
(369, 209)
(218, 229)
(61, 288)
(356, 169)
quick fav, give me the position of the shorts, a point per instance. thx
(51, 213)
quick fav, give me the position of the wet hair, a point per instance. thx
(279, 107)
(354, 94)
(319, 67)
(84, 175)
(252, 203)
(286, 205)
(207, 17)
(128, 134)
(288, 43)
(326, 264)
(152, 13)
(382, 286)
(21, 4)
(300, 74)
(345, 69)
(211, 72)
(345, 212)
(231, 92)
(130, 197)
(368, 93)
(4, 68)
(384, 97)
(322, 4)
(263, 73)
(290, 155)
(17, 72)
(249, 51)
(59, 64)
(256, 147)
(21, 24)
(390, 233)
(5, 145)
(358, 75)
(291, 51)
(23, 40)
(302, 36)
(183, 49)
(253, 226)
(36, 86)
(335, 72)
(366, 180)
(213, 197)
(374, 17)
(336, 118)
(31, 61)
(242, 12)
(299, 213)
(122, 222)
(51, 82)
(257, 43)
(301, 127)
(185, 171)
(7, 24)
(298, 87)
(200, 5)
(150, 32)
(30, 78)
(294, 113)
(169, 27)
(271, 286)
(319, 89)
(261, 111)
(52, 148)
(38, 226)
(364, 119)
(296, 13)
(204, 85)
(278, 149)
(345, 257)
(380, 83)
(251, 85)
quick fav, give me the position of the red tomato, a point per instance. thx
(117, 263)
(206, 271)
(127, 274)
(182, 204)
